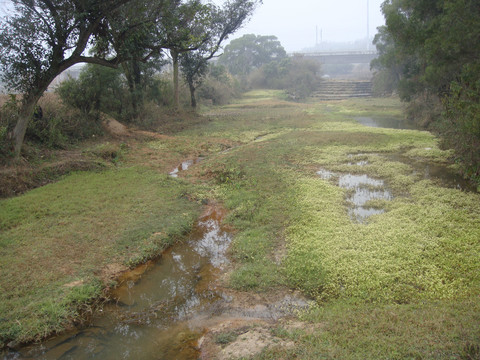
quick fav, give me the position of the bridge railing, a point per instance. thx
(333, 53)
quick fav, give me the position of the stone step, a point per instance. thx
(338, 89)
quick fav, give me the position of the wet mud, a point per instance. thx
(163, 308)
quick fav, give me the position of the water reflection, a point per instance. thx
(184, 166)
(150, 318)
(389, 123)
(362, 190)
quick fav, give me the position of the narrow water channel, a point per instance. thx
(159, 307)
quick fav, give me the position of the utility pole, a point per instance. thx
(368, 27)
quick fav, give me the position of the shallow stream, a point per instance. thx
(162, 308)
(159, 308)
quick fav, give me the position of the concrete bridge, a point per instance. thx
(340, 57)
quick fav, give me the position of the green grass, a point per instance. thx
(403, 286)
(417, 331)
(419, 258)
(66, 232)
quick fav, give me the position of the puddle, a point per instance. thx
(389, 123)
(325, 174)
(157, 308)
(359, 163)
(362, 189)
(184, 166)
(438, 173)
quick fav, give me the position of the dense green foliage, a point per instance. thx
(429, 52)
(115, 31)
(97, 89)
(298, 76)
(250, 52)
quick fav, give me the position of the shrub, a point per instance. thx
(219, 87)
(161, 91)
(8, 118)
(384, 83)
(298, 76)
(53, 125)
(98, 88)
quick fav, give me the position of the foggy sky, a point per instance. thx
(294, 22)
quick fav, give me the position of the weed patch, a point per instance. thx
(404, 284)
(418, 257)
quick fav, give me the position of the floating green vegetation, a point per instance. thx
(422, 248)
(417, 259)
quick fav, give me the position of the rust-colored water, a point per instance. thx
(159, 306)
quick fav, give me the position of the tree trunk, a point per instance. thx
(176, 92)
(193, 100)
(24, 116)
(128, 70)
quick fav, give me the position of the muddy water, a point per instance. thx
(159, 307)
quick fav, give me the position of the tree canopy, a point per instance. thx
(64, 30)
(250, 52)
(114, 31)
(431, 49)
(224, 22)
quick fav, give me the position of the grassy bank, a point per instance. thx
(60, 244)
(404, 284)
